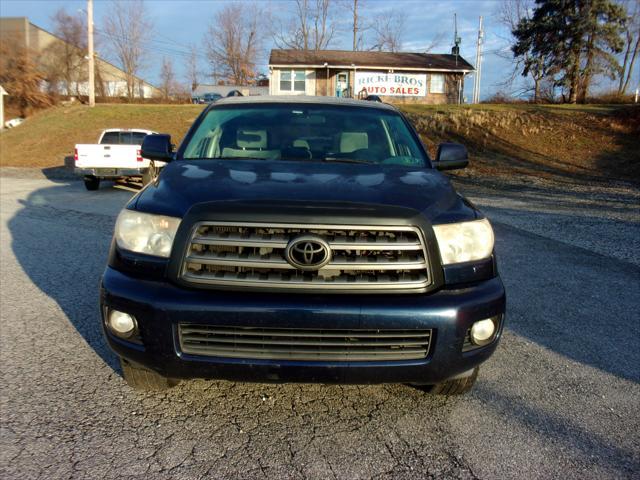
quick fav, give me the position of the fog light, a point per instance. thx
(122, 324)
(482, 331)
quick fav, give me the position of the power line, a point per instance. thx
(149, 45)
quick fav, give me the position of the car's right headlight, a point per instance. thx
(146, 233)
(464, 241)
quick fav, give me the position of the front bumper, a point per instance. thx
(110, 172)
(160, 306)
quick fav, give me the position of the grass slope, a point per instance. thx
(47, 137)
(578, 141)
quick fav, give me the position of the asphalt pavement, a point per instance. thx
(559, 399)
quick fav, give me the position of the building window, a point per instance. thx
(292, 81)
(437, 83)
(298, 81)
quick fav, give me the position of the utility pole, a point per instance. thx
(455, 50)
(476, 80)
(355, 25)
(92, 80)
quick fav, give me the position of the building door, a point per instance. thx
(342, 84)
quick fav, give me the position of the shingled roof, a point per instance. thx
(347, 58)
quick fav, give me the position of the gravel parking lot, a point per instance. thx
(560, 398)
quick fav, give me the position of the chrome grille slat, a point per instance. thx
(251, 255)
(337, 244)
(303, 344)
(353, 244)
(338, 261)
(377, 263)
(238, 240)
(256, 261)
(299, 281)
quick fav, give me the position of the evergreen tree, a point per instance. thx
(605, 22)
(573, 40)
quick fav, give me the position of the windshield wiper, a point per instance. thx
(235, 158)
(345, 160)
(294, 159)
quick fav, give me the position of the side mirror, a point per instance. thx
(451, 156)
(157, 147)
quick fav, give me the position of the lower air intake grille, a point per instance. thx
(304, 344)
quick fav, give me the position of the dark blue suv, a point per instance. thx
(302, 239)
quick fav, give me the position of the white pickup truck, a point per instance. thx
(116, 155)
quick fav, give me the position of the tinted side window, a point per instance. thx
(111, 138)
(137, 138)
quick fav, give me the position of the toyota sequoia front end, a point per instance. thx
(302, 240)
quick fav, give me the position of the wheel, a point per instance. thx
(141, 378)
(455, 386)
(91, 182)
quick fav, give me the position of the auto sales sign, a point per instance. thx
(392, 84)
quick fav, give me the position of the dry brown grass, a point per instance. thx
(47, 137)
(545, 140)
(594, 140)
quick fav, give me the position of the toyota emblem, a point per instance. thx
(308, 252)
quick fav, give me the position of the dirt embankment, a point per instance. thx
(539, 140)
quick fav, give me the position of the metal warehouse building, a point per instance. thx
(110, 80)
(398, 77)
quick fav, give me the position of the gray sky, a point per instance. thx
(179, 23)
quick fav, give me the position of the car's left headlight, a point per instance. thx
(464, 241)
(146, 233)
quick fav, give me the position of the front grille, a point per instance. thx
(252, 256)
(304, 344)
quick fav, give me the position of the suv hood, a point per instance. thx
(183, 184)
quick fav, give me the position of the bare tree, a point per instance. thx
(632, 47)
(354, 11)
(63, 61)
(193, 74)
(19, 75)
(388, 28)
(167, 78)
(359, 23)
(312, 26)
(233, 41)
(511, 13)
(128, 28)
(435, 42)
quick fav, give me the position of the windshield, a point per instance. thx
(305, 133)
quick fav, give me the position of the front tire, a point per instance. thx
(143, 379)
(91, 183)
(455, 386)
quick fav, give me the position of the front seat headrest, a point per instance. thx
(251, 139)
